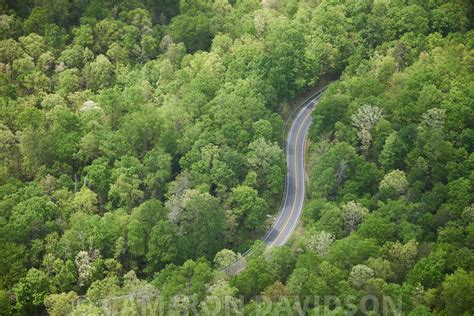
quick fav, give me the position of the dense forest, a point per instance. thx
(141, 148)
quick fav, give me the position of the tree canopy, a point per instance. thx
(141, 152)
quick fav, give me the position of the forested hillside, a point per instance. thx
(141, 152)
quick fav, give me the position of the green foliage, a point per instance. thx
(354, 249)
(192, 29)
(31, 290)
(400, 125)
(60, 304)
(99, 73)
(248, 207)
(330, 111)
(161, 245)
(457, 292)
(257, 274)
(429, 270)
(188, 279)
(142, 136)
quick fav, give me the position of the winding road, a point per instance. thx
(292, 206)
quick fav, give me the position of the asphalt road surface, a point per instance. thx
(292, 206)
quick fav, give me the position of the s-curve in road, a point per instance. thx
(293, 201)
(292, 207)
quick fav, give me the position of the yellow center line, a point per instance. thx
(296, 182)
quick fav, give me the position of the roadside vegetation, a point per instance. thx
(140, 149)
